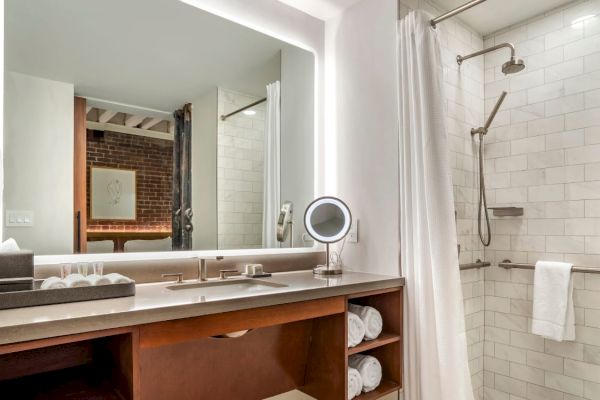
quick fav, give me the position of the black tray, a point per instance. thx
(39, 297)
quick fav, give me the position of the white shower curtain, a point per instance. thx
(435, 357)
(272, 165)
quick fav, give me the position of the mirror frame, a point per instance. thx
(328, 200)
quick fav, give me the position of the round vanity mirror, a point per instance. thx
(327, 220)
(285, 223)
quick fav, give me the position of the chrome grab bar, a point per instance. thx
(475, 265)
(507, 264)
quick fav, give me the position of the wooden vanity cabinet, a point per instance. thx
(289, 346)
(301, 345)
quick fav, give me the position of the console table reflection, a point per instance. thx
(120, 237)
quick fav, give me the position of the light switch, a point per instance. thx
(353, 233)
(19, 218)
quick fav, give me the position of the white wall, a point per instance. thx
(297, 134)
(38, 163)
(361, 45)
(204, 171)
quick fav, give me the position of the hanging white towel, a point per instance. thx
(54, 282)
(371, 318)
(553, 309)
(356, 329)
(355, 384)
(369, 369)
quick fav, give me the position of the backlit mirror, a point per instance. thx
(143, 125)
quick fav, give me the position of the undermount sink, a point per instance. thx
(228, 287)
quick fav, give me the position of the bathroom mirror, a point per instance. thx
(327, 220)
(151, 126)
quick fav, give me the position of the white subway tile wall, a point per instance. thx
(464, 91)
(239, 172)
(544, 157)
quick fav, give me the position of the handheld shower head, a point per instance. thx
(484, 129)
(513, 66)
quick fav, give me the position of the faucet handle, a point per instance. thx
(178, 275)
(223, 273)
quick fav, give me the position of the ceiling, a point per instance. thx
(494, 15)
(321, 9)
(156, 54)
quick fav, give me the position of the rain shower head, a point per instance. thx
(512, 66)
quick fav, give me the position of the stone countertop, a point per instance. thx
(155, 302)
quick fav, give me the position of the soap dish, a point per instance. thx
(263, 275)
(507, 211)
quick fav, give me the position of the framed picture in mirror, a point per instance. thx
(112, 193)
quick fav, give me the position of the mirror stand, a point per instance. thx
(327, 269)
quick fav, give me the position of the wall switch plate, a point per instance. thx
(19, 218)
(353, 233)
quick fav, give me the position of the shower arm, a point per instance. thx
(460, 59)
(484, 129)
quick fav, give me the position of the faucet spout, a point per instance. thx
(202, 269)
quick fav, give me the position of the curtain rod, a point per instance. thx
(457, 10)
(224, 117)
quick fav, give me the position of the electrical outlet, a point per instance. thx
(19, 218)
(353, 233)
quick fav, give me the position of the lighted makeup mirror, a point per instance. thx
(327, 220)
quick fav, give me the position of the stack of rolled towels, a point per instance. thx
(364, 374)
(364, 371)
(363, 323)
(78, 280)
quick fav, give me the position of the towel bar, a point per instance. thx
(475, 265)
(507, 264)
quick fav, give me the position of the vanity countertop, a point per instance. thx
(155, 302)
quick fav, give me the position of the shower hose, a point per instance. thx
(482, 209)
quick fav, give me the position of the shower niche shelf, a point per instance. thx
(507, 211)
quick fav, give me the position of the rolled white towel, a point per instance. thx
(369, 369)
(97, 280)
(355, 384)
(117, 278)
(54, 282)
(370, 317)
(76, 280)
(356, 329)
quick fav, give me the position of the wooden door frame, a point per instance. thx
(80, 176)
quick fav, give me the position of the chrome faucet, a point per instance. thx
(202, 270)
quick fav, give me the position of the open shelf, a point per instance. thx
(382, 340)
(99, 368)
(73, 383)
(386, 387)
(387, 348)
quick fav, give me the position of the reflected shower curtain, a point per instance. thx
(272, 165)
(435, 347)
